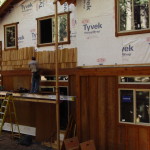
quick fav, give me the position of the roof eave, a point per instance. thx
(7, 6)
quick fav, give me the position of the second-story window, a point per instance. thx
(132, 16)
(10, 36)
(46, 30)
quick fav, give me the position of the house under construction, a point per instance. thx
(103, 51)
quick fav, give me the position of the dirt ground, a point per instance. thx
(9, 143)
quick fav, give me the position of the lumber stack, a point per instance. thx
(19, 59)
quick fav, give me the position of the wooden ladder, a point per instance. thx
(8, 108)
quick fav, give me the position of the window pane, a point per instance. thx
(142, 106)
(135, 80)
(126, 105)
(62, 29)
(127, 79)
(125, 17)
(62, 35)
(46, 29)
(61, 78)
(10, 36)
(141, 14)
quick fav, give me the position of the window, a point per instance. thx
(134, 80)
(51, 78)
(10, 36)
(142, 106)
(46, 30)
(132, 17)
(135, 106)
(126, 106)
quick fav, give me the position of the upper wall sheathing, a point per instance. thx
(26, 12)
(92, 31)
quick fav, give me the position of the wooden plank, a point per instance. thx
(112, 71)
(112, 115)
(25, 112)
(122, 136)
(7, 83)
(132, 138)
(84, 132)
(72, 91)
(38, 97)
(45, 122)
(46, 57)
(93, 125)
(31, 100)
(143, 143)
(21, 82)
(102, 105)
(78, 105)
(118, 65)
(35, 100)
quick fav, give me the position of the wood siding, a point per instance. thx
(96, 108)
(98, 113)
(133, 137)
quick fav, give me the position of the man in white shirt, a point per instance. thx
(34, 67)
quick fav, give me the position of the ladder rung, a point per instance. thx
(5, 100)
(3, 106)
(2, 113)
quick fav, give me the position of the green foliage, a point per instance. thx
(141, 9)
(63, 28)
